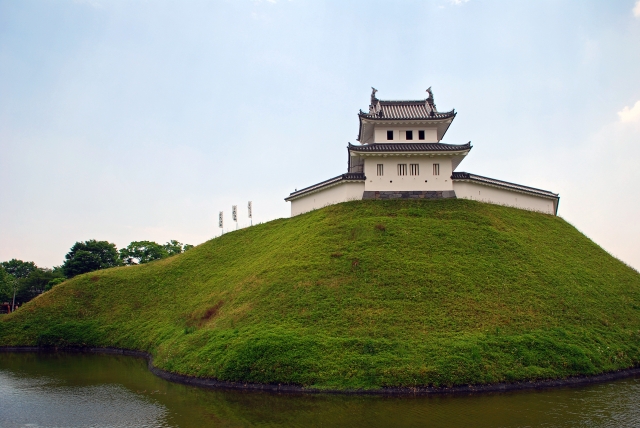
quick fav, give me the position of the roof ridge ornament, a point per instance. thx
(374, 107)
(430, 103)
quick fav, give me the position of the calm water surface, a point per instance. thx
(84, 390)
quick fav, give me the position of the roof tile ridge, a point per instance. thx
(469, 175)
(421, 102)
(436, 115)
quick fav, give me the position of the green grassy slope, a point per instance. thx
(365, 294)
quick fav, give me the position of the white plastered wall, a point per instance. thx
(399, 134)
(501, 196)
(390, 180)
(342, 192)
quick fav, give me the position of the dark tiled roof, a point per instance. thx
(419, 110)
(409, 147)
(500, 183)
(349, 176)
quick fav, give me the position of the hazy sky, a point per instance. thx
(140, 120)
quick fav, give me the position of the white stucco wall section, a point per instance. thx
(391, 181)
(341, 192)
(400, 132)
(503, 196)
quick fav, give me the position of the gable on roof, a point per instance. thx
(406, 110)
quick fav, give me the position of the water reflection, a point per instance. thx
(99, 390)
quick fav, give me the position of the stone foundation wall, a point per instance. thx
(444, 194)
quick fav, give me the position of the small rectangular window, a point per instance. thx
(380, 169)
(420, 135)
(389, 135)
(409, 135)
(414, 169)
(402, 169)
(436, 169)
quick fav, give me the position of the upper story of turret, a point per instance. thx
(403, 121)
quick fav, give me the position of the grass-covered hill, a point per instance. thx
(366, 294)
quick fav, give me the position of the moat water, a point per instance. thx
(87, 390)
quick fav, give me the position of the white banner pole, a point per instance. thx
(234, 214)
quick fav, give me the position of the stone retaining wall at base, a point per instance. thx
(444, 194)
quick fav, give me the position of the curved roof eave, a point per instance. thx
(437, 116)
(449, 125)
(409, 147)
(342, 178)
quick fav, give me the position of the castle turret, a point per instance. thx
(401, 155)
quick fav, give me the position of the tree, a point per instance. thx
(89, 256)
(15, 272)
(7, 285)
(139, 252)
(58, 271)
(173, 247)
(36, 283)
(19, 269)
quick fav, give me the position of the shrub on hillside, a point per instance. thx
(140, 252)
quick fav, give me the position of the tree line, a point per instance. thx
(21, 281)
